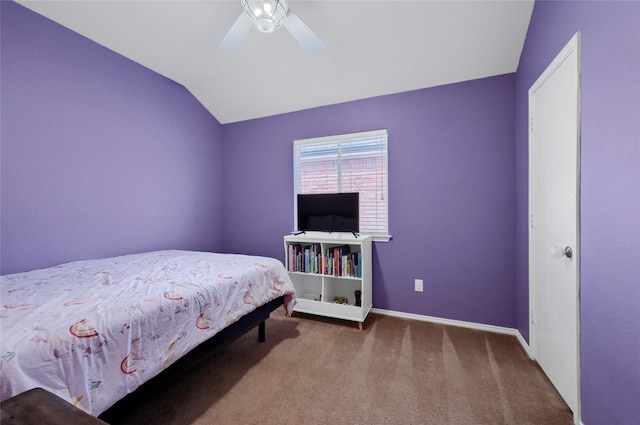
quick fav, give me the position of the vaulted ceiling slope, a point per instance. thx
(373, 48)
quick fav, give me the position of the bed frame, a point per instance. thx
(220, 340)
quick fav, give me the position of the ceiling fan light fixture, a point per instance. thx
(266, 15)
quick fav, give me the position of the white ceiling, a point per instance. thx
(372, 47)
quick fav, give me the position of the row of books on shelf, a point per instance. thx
(335, 261)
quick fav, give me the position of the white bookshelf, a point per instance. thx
(317, 283)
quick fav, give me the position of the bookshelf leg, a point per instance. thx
(360, 324)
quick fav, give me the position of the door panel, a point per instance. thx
(554, 222)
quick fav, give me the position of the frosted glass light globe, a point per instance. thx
(266, 15)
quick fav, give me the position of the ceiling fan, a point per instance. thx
(267, 16)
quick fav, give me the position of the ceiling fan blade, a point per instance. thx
(301, 32)
(237, 33)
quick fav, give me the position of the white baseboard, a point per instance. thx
(525, 345)
(459, 323)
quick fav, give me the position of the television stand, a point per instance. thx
(304, 232)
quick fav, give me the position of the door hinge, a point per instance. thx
(531, 220)
(531, 124)
(531, 316)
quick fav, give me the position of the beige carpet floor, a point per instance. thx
(321, 371)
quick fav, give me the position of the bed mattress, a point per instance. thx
(93, 331)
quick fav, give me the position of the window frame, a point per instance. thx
(339, 139)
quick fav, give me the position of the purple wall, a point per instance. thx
(451, 192)
(610, 205)
(100, 156)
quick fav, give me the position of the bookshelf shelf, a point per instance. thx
(327, 269)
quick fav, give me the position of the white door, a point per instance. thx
(554, 251)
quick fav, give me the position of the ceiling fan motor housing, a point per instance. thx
(266, 15)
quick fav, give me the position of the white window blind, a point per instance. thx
(354, 162)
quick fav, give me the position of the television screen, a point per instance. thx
(329, 212)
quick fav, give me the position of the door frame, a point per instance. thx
(574, 45)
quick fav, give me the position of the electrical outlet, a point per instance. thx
(419, 285)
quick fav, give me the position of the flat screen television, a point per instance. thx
(329, 212)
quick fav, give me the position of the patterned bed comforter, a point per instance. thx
(93, 331)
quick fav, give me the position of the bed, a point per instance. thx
(93, 331)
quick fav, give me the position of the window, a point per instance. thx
(354, 162)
